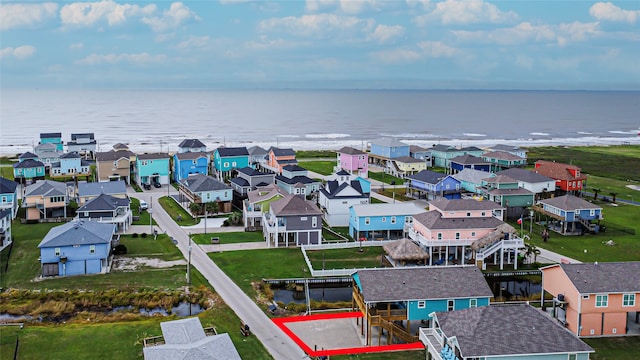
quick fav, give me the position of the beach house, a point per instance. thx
(45, 199)
(512, 149)
(292, 221)
(84, 144)
(52, 138)
(384, 149)
(89, 191)
(249, 179)
(294, 180)
(502, 160)
(227, 159)
(393, 299)
(257, 156)
(191, 145)
(595, 299)
(500, 331)
(77, 248)
(380, 221)
(5, 228)
(257, 204)
(107, 209)
(569, 179)
(507, 192)
(441, 155)
(431, 185)
(459, 163)
(202, 189)
(354, 161)
(28, 168)
(278, 158)
(189, 163)
(115, 164)
(152, 169)
(9, 196)
(542, 186)
(47, 153)
(70, 165)
(337, 196)
(471, 180)
(570, 215)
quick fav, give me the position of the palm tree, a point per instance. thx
(212, 207)
(195, 208)
(235, 218)
(595, 193)
(532, 250)
(613, 196)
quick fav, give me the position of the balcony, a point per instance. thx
(273, 225)
(432, 339)
(416, 236)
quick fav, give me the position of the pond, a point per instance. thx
(514, 287)
(328, 294)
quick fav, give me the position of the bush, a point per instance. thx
(134, 235)
(144, 235)
(120, 250)
(225, 223)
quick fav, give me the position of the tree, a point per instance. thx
(595, 193)
(195, 208)
(212, 207)
(531, 249)
(613, 196)
(235, 218)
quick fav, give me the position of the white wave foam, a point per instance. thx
(624, 132)
(474, 135)
(409, 135)
(327, 136)
(584, 133)
(539, 134)
(288, 136)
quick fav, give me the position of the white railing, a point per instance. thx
(510, 244)
(416, 236)
(335, 272)
(433, 349)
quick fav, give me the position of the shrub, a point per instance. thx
(135, 235)
(144, 235)
(120, 250)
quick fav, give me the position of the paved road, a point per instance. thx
(279, 345)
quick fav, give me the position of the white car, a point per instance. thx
(143, 205)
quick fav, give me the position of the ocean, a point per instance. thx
(157, 120)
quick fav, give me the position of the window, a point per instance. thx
(56, 251)
(314, 222)
(451, 305)
(473, 303)
(573, 356)
(226, 164)
(4, 199)
(457, 236)
(393, 219)
(226, 194)
(602, 300)
(468, 214)
(408, 219)
(367, 221)
(304, 218)
(92, 249)
(144, 163)
(473, 234)
(439, 236)
(585, 297)
(629, 300)
(422, 304)
(384, 219)
(592, 212)
(86, 214)
(234, 164)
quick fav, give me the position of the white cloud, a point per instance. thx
(17, 15)
(76, 46)
(437, 49)
(527, 32)
(466, 12)
(194, 42)
(264, 43)
(424, 4)
(21, 52)
(424, 50)
(90, 13)
(136, 59)
(609, 12)
(397, 56)
(177, 14)
(352, 7)
(319, 25)
(384, 33)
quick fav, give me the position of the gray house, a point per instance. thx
(249, 179)
(91, 190)
(84, 144)
(107, 209)
(292, 220)
(257, 156)
(294, 180)
(191, 145)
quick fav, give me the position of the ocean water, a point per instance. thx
(157, 120)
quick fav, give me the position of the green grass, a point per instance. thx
(306, 154)
(143, 216)
(607, 186)
(6, 172)
(385, 178)
(614, 348)
(400, 355)
(400, 194)
(228, 238)
(174, 209)
(320, 167)
(348, 258)
(377, 201)
(161, 248)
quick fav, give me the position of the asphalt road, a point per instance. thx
(277, 343)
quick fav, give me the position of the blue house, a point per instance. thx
(431, 185)
(294, 180)
(474, 333)
(28, 168)
(70, 164)
(52, 138)
(570, 214)
(189, 163)
(442, 154)
(462, 162)
(5, 228)
(204, 189)
(9, 196)
(413, 294)
(152, 169)
(380, 221)
(226, 159)
(385, 149)
(77, 248)
(471, 180)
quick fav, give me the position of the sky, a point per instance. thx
(370, 44)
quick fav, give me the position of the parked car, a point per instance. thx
(146, 186)
(157, 184)
(143, 205)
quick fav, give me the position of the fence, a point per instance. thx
(5, 255)
(343, 245)
(608, 226)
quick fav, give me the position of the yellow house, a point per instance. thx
(406, 165)
(45, 199)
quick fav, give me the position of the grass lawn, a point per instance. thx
(608, 186)
(320, 167)
(377, 201)
(6, 171)
(399, 193)
(348, 258)
(144, 215)
(401, 355)
(385, 178)
(228, 238)
(344, 231)
(301, 155)
(617, 348)
(174, 209)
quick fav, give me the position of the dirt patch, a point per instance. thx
(133, 263)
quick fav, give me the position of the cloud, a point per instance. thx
(527, 32)
(351, 7)
(461, 12)
(264, 43)
(424, 50)
(140, 59)
(18, 15)
(384, 33)
(91, 13)
(177, 15)
(76, 46)
(397, 56)
(609, 12)
(21, 52)
(318, 25)
(424, 4)
(437, 49)
(194, 42)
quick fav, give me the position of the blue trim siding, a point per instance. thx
(435, 305)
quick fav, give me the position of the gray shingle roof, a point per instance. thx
(29, 163)
(502, 155)
(7, 186)
(232, 151)
(388, 142)
(293, 168)
(153, 156)
(199, 183)
(105, 187)
(191, 155)
(509, 148)
(252, 172)
(282, 152)
(569, 202)
(191, 143)
(350, 151)
(292, 205)
(104, 202)
(407, 160)
(398, 284)
(256, 151)
(471, 175)
(500, 179)
(443, 148)
(605, 277)
(78, 232)
(113, 155)
(47, 188)
(28, 155)
(507, 329)
(468, 160)
(433, 220)
(50, 135)
(239, 181)
(296, 179)
(428, 176)
(70, 155)
(524, 175)
(334, 189)
(464, 204)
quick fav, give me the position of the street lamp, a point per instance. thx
(189, 264)
(151, 215)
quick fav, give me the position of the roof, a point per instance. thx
(82, 136)
(120, 146)
(569, 203)
(113, 155)
(558, 171)
(70, 155)
(518, 191)
(152, 156)
(191, 155)
(293, 168)
(294, 205)
(27, 155)
(350, 151)
(405, 249)
(282, 152)
(507, 329)
(46, 147)
(296, 179)
(249, 171)
(471, 148)
(239, 181)
(50, 135)
(508, 148)
(443, 148)
(104, 202)
(473, 176)
(46, 187)
(407, 208)
(428, 176)
(502, 155)
(256, 150)
(105, 187)
(416, 149)
(5, 213)
(524, 175)
(604, 277)
(78, 232)
(408, 160)
(422, 283)
(501, 179)
(232, 151)
(264, 193)
(7, 186)
(333, 189)
(463, 204)
(388, 142)
(201, 182)
(467, 159)
(490, 238)
(191, 143)
(29, 163)
(433, 220)
(185, 339)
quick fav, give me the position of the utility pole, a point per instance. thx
(151, 214)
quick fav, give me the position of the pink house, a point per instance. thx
(461, 230)
(354, 161)
(595, 299)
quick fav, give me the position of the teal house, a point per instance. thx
(506, 191)
(52, 138)
(152, 169)
(441, 155)
(226, 159)
(28, 168)
(500, 332)
(412, 294)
